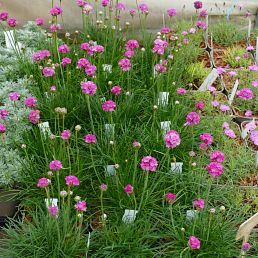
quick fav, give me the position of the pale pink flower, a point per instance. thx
(43, 182)
(128, 189)
(90, 138)
(253, 68)
(81, 206)
(198, 203)
(217, 156)
(129, 54)
(89, 88)
(90, 70)
(170, 197)
(80, 3)
(132, 44)
(224, 108)
(149, 163)
(3, 114)
(160, 68)
(136, 144)
(143, 8)
(165, 30)
(53, 88)
(83, 63)
(72, 180)
(225, 125)
(255, 83)
(251, 126)
(230, 133)
(132, 12)
(192, 30)
(34, 116)
(220, 70)
(109, 106)
(212, 89)
(55, 28)
(203, 13)
(245, 94)
(254, 137)
(66, 61)
(250, 48)
(116, 90)
(215, 103)
(201, 24)
(203, 146)
(181, 91)
(66, 134)
(248, 113)
(103, 187)
(120, 6)
(172, 139)
(232, 74)
(48, 71)
(63, 49)
(246, 247)
(55, 165)
(194, 243)
(215, 169)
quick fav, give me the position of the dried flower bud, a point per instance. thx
(63, 193)
(77, 198)
(222, 208)
(116, 166)
(212, 210)
(78, 128)
(23, 146)
(50, 173)
(194, 164)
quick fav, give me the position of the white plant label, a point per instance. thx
(233, 93)
(102, 100)
(177, 167)
(165, 126)
(209, 80)
(45, 129)
(9, 39)
(191, 214)
(51, 202)
(163, 98)
(109, 130)
(129, 216)
(110, 170)
(249, 28)
(244, 133)
(107, 68)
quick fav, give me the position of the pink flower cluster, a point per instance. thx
(92, 49)
(170, 197)
(48, 71)
(254, 137)
(43, 182)
(149, 163)
(159, 46)
(81, 206)
(55, 165)
(192, 118)
(66, 134)
(72, 180)
(215, 169)
(198, 203)
(172, 139)
(194, 243)
(2, 128)
(109, 106)
(30, 102)
(171, 12)
(217, 156)
(245, 94)
(3, 114)
(14, 96)
(125, 64)
(34, 116)
(56, 10)
(89, 88)
(90, 138)
(63, 49)
(128, 189)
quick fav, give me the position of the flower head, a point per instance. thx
(90, 138)
(116, 90)
(43, 182)
(66, 61)
(245, 94)
(3, 114)
(170, 197)
(206, 138)
(198, 203)
(125, 64)
(40, 21)
(215, 169)
(172, 139)
(53, 210)
(246, 247)
(192, 118)
(217, 156)
(14, 96)
(34, 116)
(81, 206)
(48, 71)
(109, 106)
(171, 12)
(66, 134)
(55, 165)
(12, 22)
(30, 102)
(72, 180)
(149, 163)
(144, 8)
(230, 133)
(128, 189)
(103, 187)
(194, 242)
(89, 88)
(56, 10)
(3, 16)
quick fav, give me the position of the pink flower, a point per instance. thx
(250, 48)
(65, 135)
(159, 46)
(30, 102)
(230, 133)
(197, 4)
(85, 46)
(206, 138)
(53, 210)
(12, 22)
(48, 71)
(192, 118)
(63, 49)
(14, 96)
(103, 187)
(3, 114)
(165, 30)
(38, 56)
(245, 94)
(248, 113)
(215, 103)
(34, 116)
(131, 44)
(224, 108)
(90, 70)
(132, 12)
(246, 247)
(109, 106)
(254, 137)
(125, 64)
(56, 10)
(72, 180)
(171, 12)
(81, 206)
(89, 88)
(232, 73)
(136, 144)
(198, 203)
(194, 243)
(104, 3)
(2, 128)
(40, 21)
(201, 25)
(3, 16)
(149, 163)
(83, 63)
(203, 146)
(253, 68)
(255, 83)
(185, 41)
(220, 70)
(251, 126)
(90, 138)
(55, 28)
(225, 125)
(172, 139)
(160, 68)
(170, 197)
(87, 9)
(55, 165)
(181, 91)
(43, 182)
(120, 6)
(129, 54)
(80, 3)
(144, 8)
(212, 89)
(116, 90)
(53, 88)
(128, 189)
(203, 13)
(217, 156)
(192, 30)
(215, 169)
(200, 105)
(66, 61)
